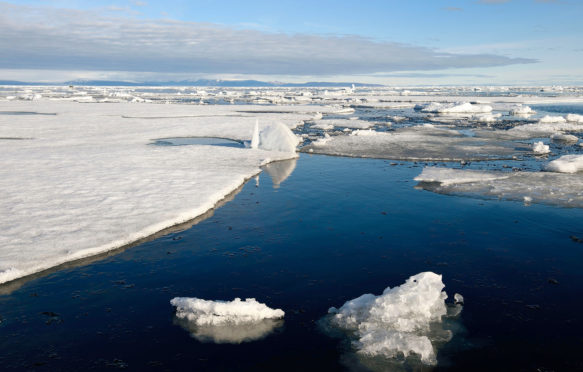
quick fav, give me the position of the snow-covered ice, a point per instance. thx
(226, 321)
(521, 110)
(87, 180)
(401, 321)
(454, 108)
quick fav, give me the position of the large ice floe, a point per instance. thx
(560, 189)
(226, 321)
(87, 179)
(403, 321)
(424, 142)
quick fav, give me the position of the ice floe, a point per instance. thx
(90, 181)
(425, 142)
(402, 321)
(454, 108)
(559, 189)
(521, 110)
(226, 321)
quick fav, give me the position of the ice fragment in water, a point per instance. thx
(566, 164)
(540, 148)
(397, 322)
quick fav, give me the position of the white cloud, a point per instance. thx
(45, 38)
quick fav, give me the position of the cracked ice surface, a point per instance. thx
(86, 180)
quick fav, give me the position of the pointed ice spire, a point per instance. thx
(255, 138)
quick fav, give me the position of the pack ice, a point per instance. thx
(404, 320)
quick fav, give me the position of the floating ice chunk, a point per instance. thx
(346, 123)
(448, 176)
(454, 108)
(485, 118)
(344, 111)
(540, 148)
(574, 118)
(559, 189)
(278, 137)
(318, 116)
(552, 120)
(323, 125)
(226, 322)
(398, 321)
(205, 312)
(564, 138)
(417, 143)
(521, 110)
(396, 118)
(458, 298)
(566, 164)
(364, 132)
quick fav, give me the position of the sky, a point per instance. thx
(392, 42)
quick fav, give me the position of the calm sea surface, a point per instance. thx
(335, 229)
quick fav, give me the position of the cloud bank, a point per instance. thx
(61, 39)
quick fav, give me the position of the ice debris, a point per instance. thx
(566, 164)
(454, 108)
(540, 148)
(521, 110)
(397, 322)
(205, 312)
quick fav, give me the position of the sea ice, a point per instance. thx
(540, 148)
(88, 180)
(226, 322)
(521, 110)
(401, 321)
(561, 189)
(454, 108)
(416, 143)
(566, 164)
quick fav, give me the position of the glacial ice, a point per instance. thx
(231, 322)
(401, 321)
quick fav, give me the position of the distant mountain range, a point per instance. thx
(193, 83)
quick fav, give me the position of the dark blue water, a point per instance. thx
(335, 229)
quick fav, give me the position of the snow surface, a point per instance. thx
(398, 321)
(87, 180)
(559, 189)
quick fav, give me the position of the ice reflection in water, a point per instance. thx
(229, 333)
(279, 171)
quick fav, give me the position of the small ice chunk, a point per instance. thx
(398, 321)
(574, 118)
(566, 164)
(205, 312)
(540, 148)
(458, 298)
(521, 110)
(255, 138)
(552, 120)
(564, 138)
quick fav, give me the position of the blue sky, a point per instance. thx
(390, 41)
